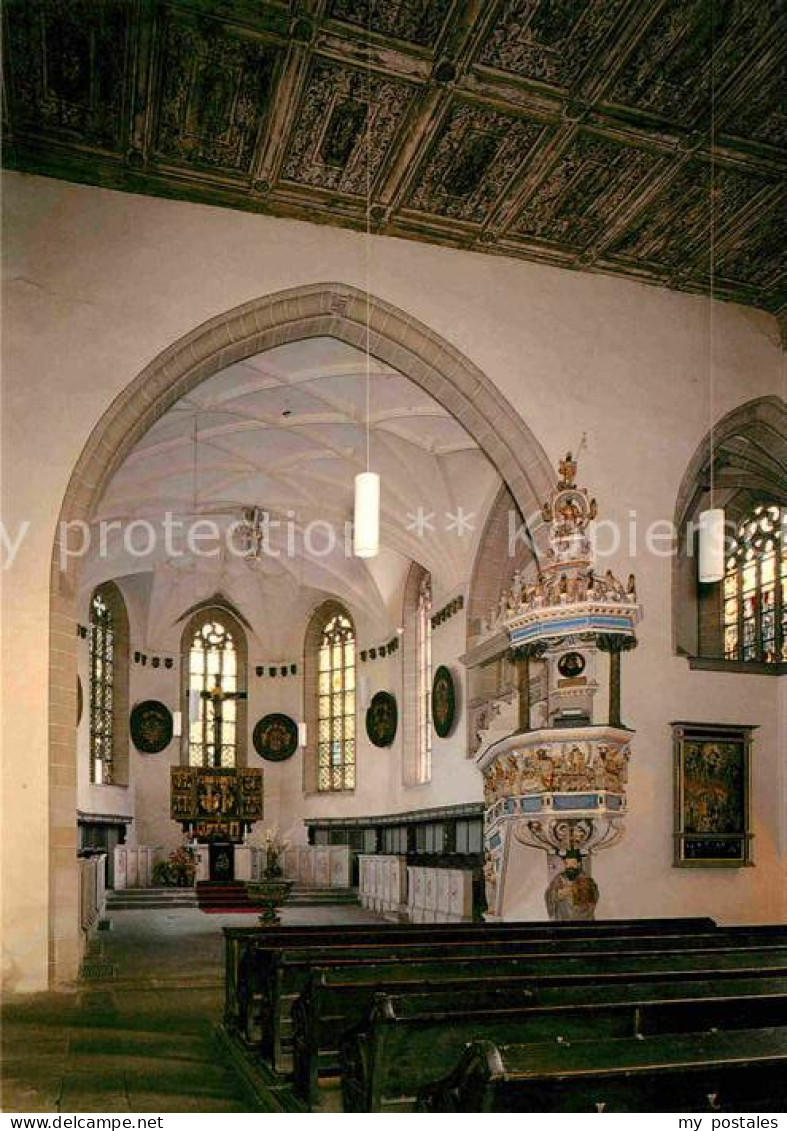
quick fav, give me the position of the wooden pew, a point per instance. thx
(741, 1070)
(288, 973)
(334, 1001)
(283, 975)
(237, 941)
(408, 1040)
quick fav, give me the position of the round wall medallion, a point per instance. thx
(382, 718)
(443, 701)
(151, 726)
(275, 737)
(80, 701)
(571, 664)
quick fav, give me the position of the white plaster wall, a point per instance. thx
(98, 283)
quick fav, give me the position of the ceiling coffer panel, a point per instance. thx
(68, 62)
(347, 121)
(676, 228)
(590, 181)
(550, 41)
(690, 47)
(414, 21)
(474, 158)
(216, 85)
(575, 132)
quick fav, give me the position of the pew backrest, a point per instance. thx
(409, 1041)
(742, 1070)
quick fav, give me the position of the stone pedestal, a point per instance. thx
(383, 883)
(439, 895)
(313, 865)
(133, 867)
(245, 862)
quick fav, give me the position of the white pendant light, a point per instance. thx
(711, 531)
(366, 530)
(711, 521)
(366, 525)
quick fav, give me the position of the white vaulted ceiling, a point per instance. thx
(286, 431)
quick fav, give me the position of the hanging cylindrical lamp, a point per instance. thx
(711, 554)
(366, 529)
(711, 521)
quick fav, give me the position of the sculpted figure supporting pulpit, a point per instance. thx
(572, 894)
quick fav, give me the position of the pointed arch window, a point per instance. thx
(102, 690)
(336, 705)
(755, 588)
(108, 650)
(214, 662)
(423, 646)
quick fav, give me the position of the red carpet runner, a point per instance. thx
(224, 899)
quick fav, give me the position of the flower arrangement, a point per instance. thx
(178, 870)
(273, 850)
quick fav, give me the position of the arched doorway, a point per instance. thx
(317, 310)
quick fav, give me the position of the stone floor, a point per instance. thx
(138, 1033)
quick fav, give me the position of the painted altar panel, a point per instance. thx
(224, 796)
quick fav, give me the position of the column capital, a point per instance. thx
(615, 642)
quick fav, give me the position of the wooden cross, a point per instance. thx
(217, 696)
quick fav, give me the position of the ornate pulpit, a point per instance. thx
(561, 787)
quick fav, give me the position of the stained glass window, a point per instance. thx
(423, 645)
(102, 690)
(336, 705)
(755, 588)
(213, 669)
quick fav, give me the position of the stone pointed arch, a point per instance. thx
(749, 467)
(315, 310)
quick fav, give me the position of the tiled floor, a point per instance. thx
(139, 1036)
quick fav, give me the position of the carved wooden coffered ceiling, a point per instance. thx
(570, 132)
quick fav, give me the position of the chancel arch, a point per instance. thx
(323, 309)
(749, 473)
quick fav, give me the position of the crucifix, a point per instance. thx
(217, 696)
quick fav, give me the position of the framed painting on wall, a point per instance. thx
(712, 795)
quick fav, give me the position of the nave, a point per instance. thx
(337, 1009)
(394, 531)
